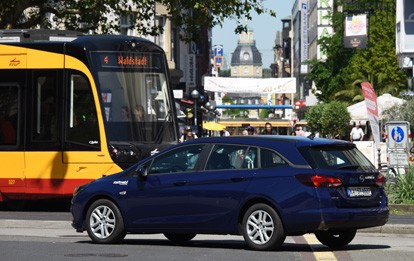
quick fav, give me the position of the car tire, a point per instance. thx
(262, 228)
(179, 237)
(336, 239)
(104, 222)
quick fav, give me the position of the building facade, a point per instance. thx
(246, 60)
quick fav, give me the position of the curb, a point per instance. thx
(402, 208)
(390, 229)
(56, 228)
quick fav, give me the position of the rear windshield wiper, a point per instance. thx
(349, 167)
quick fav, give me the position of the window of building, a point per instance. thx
(160, 38)
(127, 23)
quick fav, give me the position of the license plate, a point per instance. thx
(359, 192)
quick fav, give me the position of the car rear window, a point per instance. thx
(336, 157)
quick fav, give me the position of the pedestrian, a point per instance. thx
(225, 132)
(188, 134)
(268, 130)
(139, 113)
(250, 130)
(357, 134)
(299, 131)
(245, 132)
(293, 133)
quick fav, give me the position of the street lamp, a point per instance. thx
(195, 95)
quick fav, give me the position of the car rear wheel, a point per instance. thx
(104, 222)
(336, 239)
(179, 237)
(262, 228)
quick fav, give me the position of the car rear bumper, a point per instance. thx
(355, 218)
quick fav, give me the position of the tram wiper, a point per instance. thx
(159, 136)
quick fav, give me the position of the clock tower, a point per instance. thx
(246, 61)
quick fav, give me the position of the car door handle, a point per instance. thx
(180, 183)
(237, 179)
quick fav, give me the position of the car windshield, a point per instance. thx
(137, 102)
(336, 157)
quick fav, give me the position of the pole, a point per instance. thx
(379, 159)
(195, 112)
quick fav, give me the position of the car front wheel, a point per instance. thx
(104, 222)
(336, 239)
(262, 228)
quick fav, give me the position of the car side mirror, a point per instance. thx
(142, 172)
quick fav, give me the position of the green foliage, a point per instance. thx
(404, 112)
(234, 113)
(264, 114)
(338, 77)
(94, 16)
(329, 119)
(267, 73)
(224, 73)
(402, 191)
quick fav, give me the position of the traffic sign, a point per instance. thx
(218, 61)
(218, 50)
(398, 158)
(398, 143)
(398, 133)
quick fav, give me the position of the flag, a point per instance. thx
(372, 109)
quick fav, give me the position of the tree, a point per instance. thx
(329, 119)
(233, 113)
(95, 16)
(339, 76)
(403, 112)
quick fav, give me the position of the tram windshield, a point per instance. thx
(136, 98)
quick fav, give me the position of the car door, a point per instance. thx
(216, 192)
(160, 200)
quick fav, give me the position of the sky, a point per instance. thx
(264, 31)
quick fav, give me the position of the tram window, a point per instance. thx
(8, 113)
(44, 108)
(82, 130)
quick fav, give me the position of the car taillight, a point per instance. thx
(380, 180)
(319, 181)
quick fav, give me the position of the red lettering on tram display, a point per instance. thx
(131, 60)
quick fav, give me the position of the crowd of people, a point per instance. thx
(356, 134)
(188, 133)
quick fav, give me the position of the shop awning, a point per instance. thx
(213, 126)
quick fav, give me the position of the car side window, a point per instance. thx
(245, 159)
(183, 159)
(231, 157)
(270, 159)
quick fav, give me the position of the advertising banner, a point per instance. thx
(250, 85)
(356, 31)
(372, 109)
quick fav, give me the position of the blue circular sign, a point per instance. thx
(397, 134)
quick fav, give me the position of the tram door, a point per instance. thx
(11, 152)
(43, 155)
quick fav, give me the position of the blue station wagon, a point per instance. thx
(261, 187)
